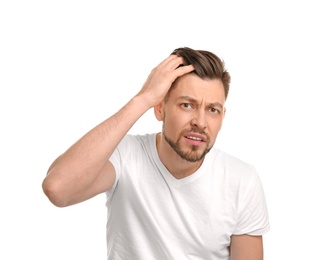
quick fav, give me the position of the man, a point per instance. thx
(170, 195)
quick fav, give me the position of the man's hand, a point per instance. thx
(161, 79)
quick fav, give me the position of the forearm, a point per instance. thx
(246, 247)
(90, 152)
(79, 167)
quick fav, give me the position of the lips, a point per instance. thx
(195, 137)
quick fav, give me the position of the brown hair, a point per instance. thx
(207, 65)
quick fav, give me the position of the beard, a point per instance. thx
(192, 155)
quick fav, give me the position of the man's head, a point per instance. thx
(207, 66)
(193, 109)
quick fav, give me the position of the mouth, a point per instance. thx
(195, 139)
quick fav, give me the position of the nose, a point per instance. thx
(199, 119)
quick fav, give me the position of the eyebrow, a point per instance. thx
(192, 100)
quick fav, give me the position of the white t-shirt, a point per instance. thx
(152, 215)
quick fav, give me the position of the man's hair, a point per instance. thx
(207, 65)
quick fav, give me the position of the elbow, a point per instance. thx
(54, 193)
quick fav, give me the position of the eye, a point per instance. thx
(186, 105)
(214, 110)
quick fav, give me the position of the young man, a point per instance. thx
(170, 195)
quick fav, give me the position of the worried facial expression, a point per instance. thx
(192, 116)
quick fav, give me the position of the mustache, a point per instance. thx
(195, 130)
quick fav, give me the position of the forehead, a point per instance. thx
(193, 86)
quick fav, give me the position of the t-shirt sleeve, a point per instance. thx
(118, 158)
(252, 213)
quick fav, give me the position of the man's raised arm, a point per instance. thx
(84, 170)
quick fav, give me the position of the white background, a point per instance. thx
(65, 66)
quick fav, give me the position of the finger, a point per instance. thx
(184, 70)
(173, 62)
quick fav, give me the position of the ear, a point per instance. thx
(158, 112)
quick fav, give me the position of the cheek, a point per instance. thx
(174, 125)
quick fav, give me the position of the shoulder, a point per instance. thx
(131, 141)
(132, 146)
(233, 172)
(234, 164)
(132, 151)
